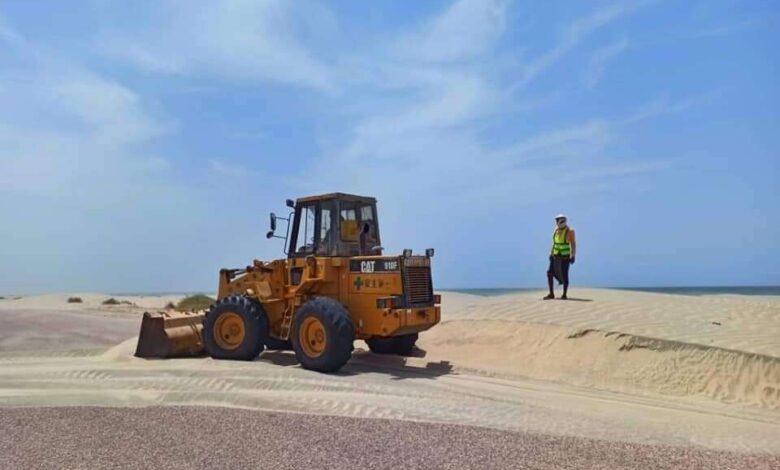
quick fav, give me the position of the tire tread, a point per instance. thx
(255, 337)
(332, 314)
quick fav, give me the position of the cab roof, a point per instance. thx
(342, 196)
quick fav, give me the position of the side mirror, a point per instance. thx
(273, 222)
(377, 249)
(270, 234)
(291, 204)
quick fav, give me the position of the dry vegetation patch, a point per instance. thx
(195, 303)
(113, 301)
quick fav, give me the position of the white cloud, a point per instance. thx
(58, 121)
(79, 192)
(723, 29)
(463, 31)
(236, 39)
(430, 133)
(223, 168)
(574, 33)
(577, 139)
(598, 61)
(662, 105)
(452, 100)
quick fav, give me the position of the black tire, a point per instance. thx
(271, 343)
(255, 328)
(339, 334)
(401, 345)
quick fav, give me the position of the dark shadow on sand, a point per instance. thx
(575, 299)
(279, 358)
(362, 361)
(399, 367)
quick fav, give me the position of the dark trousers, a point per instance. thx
(559, 269)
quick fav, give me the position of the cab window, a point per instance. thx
(349, 223)
(305, 239)
(327, 239)
(366, 213)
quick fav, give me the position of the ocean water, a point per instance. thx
(710, 290)
(706, 290)
(489, 292)
(159, 294)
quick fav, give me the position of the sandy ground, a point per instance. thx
(89, 301)
(620, 367)
(66, 330)
(722, 347)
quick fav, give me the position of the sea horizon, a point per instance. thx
(484, 291)
(679, 290)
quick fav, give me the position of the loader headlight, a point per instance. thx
(429, 252)
(407, 252)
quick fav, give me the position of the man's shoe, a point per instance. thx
(564, 297)
(549, 296)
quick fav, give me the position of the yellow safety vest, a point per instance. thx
(561, 245)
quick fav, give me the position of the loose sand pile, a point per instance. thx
(743, 323)
(720, 347)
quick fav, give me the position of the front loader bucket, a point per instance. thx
(174, 334)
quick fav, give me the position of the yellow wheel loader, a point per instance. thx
(335, 286)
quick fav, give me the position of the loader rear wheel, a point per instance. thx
(401, 345)
(322, 335)
(235, 328)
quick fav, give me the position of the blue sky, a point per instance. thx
(142, 144)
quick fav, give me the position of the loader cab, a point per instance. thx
(334, 225)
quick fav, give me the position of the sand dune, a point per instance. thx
(604, 368)
(609, 361)
(743, 323)
(89, 301)
(624, 341)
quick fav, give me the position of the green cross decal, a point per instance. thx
(358, 283)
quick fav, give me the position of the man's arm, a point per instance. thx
(573, 243)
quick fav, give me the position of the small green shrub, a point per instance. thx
(74, 300)
(113, 301)
(194, 303)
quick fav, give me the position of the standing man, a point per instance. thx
(564, 250)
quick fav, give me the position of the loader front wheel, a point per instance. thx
(401, 345)
(322, 335)
(235, 328)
